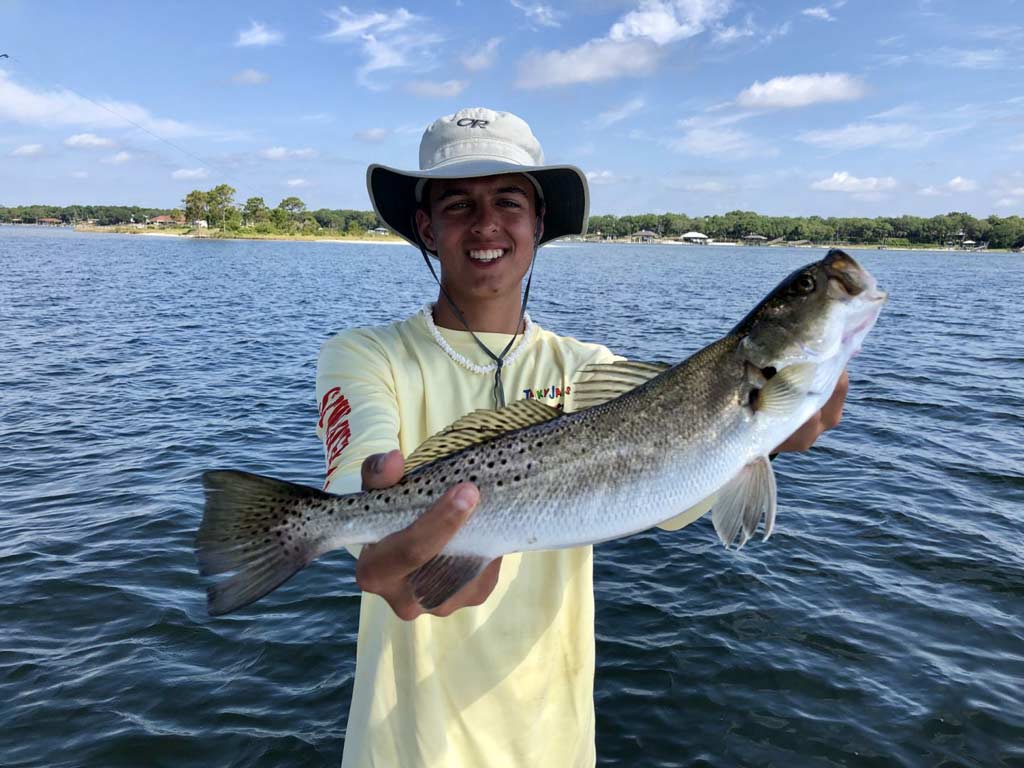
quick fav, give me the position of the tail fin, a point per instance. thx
(243, 530)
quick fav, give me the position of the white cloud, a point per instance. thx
(87, 141)
(483, 57)
(960, 184)
(602, 177)
(630, 48)
(80, 174)
(63, 107)
(724, 35)
(730, 34)
(859, 135)
(1018, 145)
(258, 34)
(249, 77)
(801, 91)
(350, 25)
(712, 187)
(297, 183)
(621, 112)
(428, 89)
(27, 150)
(690, 183)
(283, 153)
(190, 173)
(818, 12)
(372, 135)
(987, 58)
(666, 21)
(591, 62)
(384, 43)
(539, 13)
(841, 181)
(956, 184)
(718, 141)
(118, 159)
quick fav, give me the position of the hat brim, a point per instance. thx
(564, 187)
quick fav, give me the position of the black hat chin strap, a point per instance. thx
(499, 359)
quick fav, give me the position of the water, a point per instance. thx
(881, 626)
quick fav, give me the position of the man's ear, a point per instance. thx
(426, 230)
(540, 225)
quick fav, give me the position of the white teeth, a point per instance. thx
(486, 255)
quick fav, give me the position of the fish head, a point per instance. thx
(819, 314)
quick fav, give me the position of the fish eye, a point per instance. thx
(804, 284)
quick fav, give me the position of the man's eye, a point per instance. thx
(510, 203)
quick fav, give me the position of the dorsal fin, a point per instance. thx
(602, 382)
(478, 427)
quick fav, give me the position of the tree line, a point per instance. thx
(1005, 232)
(217, 206)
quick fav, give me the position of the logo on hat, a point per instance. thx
(472, 122)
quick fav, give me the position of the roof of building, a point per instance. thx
(695, 235)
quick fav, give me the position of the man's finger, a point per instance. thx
(406, 550)
(382, 470)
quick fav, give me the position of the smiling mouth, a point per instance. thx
(490, 254)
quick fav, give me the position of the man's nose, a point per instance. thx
(485, 219)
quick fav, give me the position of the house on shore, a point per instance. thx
(379, 231)
(166, 221)
(48, 222)
(753, 239)
(643, 236)
(695, 238)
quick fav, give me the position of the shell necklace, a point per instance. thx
(528, 333)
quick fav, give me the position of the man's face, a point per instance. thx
(483, 233)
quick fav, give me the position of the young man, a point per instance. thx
(502, 673)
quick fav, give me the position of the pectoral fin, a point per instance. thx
(743, 501)
(440, 578)
(786, 390)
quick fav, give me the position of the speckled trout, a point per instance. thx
(645, 443)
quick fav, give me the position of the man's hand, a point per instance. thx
(382, 567)
(827, 418)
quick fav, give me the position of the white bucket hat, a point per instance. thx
(480, 142)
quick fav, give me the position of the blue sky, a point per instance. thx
(694, 106)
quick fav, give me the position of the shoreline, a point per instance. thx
(389, 240)
(393, 240)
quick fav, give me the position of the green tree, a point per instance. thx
(255, 211)
(195, 205)
(292, 206)
(218, 201)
